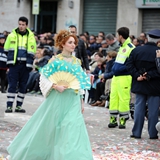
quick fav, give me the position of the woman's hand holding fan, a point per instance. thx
(59, 88)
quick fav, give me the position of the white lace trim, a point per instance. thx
(81, 92)
(45, 85)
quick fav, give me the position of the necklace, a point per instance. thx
(66, 56)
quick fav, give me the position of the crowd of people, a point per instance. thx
(119, 67)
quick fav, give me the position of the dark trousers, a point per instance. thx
(31, 80)
(91, 93)
(139, 114)
(100, 87)
(3, 79)
(17, 76)
(36, 85)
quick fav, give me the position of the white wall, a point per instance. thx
(68, 16)
(129, 16)
(10, 11)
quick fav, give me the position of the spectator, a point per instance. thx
(86, 34)
(103, 48)
(99, 41)
(20, 46)
(80, 51)
(42, 40)
(121, 82)
(99, 83)
(97, 71)
(113, 44)
(84, 38)
(136, 42)
(93, 47)
(33, 75)
(95, 58)
(3, 66)
(132, 37)
(108, 74)
(37, 39)
(146, 85)
(143, 38)
(5, 33)
(41, 61)
(101, 34)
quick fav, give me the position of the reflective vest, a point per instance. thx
(20, 48)
(119, 67)
(124, 51)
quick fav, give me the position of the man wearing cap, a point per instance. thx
(146, 85)
(20, 46)
(3, 66)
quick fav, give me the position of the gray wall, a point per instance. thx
(67, 16)
(129, 16)
(11, 10)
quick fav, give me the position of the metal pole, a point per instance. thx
(35, 23)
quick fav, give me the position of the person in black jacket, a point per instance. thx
(3, 66)
(80, 51)
(146, 85)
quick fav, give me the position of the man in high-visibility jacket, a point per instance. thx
(121, 82)
(20, 46)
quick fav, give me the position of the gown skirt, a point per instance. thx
(56, 131)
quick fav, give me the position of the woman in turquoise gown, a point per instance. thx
(57, 130)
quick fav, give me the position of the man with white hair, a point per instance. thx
(146, 85)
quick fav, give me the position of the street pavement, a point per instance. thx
(107, 144)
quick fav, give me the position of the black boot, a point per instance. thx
(113, 122)
(19, 109)
(8, 110)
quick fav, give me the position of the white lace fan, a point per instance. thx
(66, 79)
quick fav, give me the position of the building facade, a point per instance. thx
(87, 15)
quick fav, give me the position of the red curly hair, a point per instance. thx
(62, 37)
